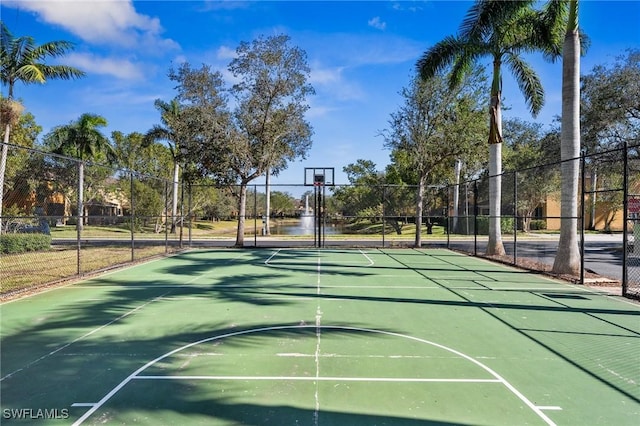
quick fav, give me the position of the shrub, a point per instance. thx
(538, 225)
(506, 225)
(21, 243)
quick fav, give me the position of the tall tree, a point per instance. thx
(567, 259)
(271, 98)
(21, 59)
(83, 139)
(427, 129)
(504, 31)
(169, 132)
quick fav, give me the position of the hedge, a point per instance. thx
(21, 243)
(506, 225)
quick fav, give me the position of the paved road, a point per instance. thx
(602, 254)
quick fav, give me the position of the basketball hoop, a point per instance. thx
(319, 176)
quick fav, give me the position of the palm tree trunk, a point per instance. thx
(456, 195)
(495, 247)
(174, 206)
(3, 166)
(567, 259)
(419, 204)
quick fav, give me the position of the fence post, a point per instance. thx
(189, 206)
(181, 212)
(625, 222)
(583, 156)
(80, 217)
(166, 217)
(448, 221)
(384, 197)
(475, 218)
(132, 216)
(515, 217)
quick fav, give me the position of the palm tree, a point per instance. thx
(567, 259)
(169, 115)
(82, 138)
(22, 60)
(503, 31)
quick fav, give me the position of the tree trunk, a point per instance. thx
(242, 209)
(419, 204)
(174, 205)
(567, 259)
(456, 196)
(267, 227)
(495, 247)
(3, 167)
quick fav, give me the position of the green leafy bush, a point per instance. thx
(538, 225)
(506, 225)
(21, 243)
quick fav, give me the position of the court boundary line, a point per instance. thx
(320, 378)
(133, 376)
(346, 263)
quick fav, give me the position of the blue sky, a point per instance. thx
(361, 54)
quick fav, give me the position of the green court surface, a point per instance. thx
(320, 337)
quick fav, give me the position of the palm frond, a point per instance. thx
(5, 38)
(157, 133)
(60, 72)
(52, 49)
(528, 82)
(485, 16)
(439, 57)
(29, 73)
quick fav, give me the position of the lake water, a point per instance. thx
(304, 226)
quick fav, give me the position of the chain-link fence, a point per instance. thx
(94, 217)
(62, 218)
(631, 215)
(530, 220)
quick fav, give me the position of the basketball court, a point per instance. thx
(320, 337)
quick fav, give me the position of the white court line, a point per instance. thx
(346, 262)
(126, 314)
(135, 374)
(371, 262)
(83, 404)
(316, 413)
(266, 262)
(319, 378)
(550, 407)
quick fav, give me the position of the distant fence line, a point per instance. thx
(100, 216)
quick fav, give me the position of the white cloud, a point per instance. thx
(377, 23)
(333, 83)
(91, 64)
(225, 52)
(100, 22)
(321, 75)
